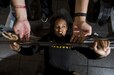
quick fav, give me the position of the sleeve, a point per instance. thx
(29, 50)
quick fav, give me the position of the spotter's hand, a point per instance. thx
(10, 36)
(80, 31)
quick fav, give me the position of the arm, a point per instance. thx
(21, 26)
(79, 25)
(81, 6)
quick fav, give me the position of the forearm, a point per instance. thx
(20, 9)
(81, 6)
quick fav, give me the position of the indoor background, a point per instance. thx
(11, 63)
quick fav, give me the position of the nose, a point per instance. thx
(59, 29)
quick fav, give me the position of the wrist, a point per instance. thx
(17, 50)
(20, 11)
(19, 6)
(21, 14)
(80, 16)
(19, 18)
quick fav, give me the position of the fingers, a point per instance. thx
(104, 43)
(108, 51)
(15, 46)
(95, 46)
(74, 37)
(27, 29)
(18, 29)
(78, 37)
(80, 31)
(75, 34)
(108, 43)
(10, 36)
(27, 36)
(88, 31)
(101, 47)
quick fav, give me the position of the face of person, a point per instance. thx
(60, 27)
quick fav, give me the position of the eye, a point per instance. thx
(57, 26)
(63, 26)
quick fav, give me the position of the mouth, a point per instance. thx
(60, 32)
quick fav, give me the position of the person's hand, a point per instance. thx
(102, 47)
(22, 28)
(81, 29)
(10, 36)
(15, 46)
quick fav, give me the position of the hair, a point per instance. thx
(60, 14)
